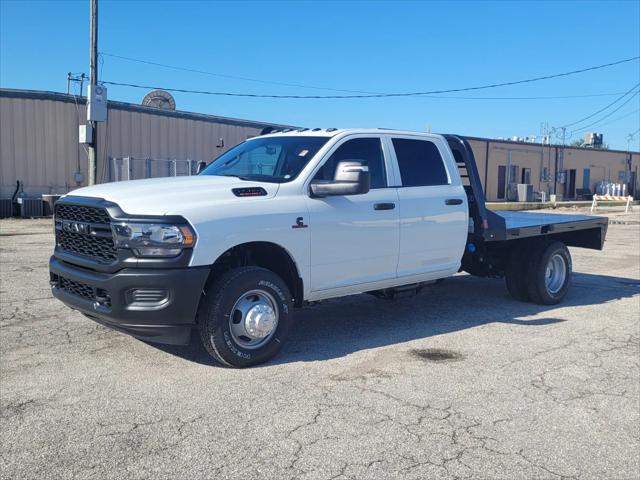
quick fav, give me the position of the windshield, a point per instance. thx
(272, 159)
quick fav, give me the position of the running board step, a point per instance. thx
(402, 291)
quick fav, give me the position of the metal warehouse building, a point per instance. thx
(39, 146)
(552, 169)
(39, 140)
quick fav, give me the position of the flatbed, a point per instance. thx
(499, 243)
(532, 224)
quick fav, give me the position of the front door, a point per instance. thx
(586, 179)
(502, 181)
(354, 238)
(571, 184)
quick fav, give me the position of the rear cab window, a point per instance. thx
(420, 163)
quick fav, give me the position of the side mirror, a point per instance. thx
(201, 166)
(351, 178)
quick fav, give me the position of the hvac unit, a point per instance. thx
(525, 192)
(31, 207)
(593, 139)
(512, 192)
(48, 203)
(6, 208)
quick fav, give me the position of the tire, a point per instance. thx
(242, 302)
(516, 273)
(549, 273)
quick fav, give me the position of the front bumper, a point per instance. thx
(107, 298)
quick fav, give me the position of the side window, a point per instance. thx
(366, 150)
(420, 163)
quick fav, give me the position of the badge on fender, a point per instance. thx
(299, 223)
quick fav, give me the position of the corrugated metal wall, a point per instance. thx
(39, 144)
(39, 139)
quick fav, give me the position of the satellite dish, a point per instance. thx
(159, 99)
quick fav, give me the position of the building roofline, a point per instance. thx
(132, 107)
(552, 145)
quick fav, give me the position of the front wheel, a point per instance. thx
(549, 274)
(245, 317)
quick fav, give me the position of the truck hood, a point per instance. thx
(173, 195)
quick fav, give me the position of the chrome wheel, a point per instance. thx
(253, 319)
(556, 273)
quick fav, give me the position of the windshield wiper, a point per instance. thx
(229, 175)
(255, 178)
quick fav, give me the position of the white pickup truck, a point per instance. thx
(293, 217)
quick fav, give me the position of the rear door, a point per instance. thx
(433, 207)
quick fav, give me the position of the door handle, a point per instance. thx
(453, 201)
(384, 206)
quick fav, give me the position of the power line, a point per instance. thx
(608, 114)
(225, 75)
(628, 114)
(374, 95)
(604, 108)
(551, 97)
(543, 97)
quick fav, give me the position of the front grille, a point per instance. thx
(100, 248)
(96, 242)
(80, 213)
(83, 290)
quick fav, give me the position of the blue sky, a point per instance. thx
(369, 46)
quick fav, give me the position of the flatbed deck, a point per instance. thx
(532, 224)
(516, 220)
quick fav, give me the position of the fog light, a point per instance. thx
(147, 297)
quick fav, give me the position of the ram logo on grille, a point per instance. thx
(75, 227)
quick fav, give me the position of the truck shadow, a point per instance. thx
(342, 326)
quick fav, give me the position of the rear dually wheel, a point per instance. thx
(549, 273)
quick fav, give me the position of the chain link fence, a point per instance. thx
(130, 168)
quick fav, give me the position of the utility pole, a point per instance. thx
(81, 82)
(93, 81)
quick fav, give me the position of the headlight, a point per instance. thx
(153, 239)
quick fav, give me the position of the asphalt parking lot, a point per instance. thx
(458, 382)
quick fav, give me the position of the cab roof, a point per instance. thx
(332, 132)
